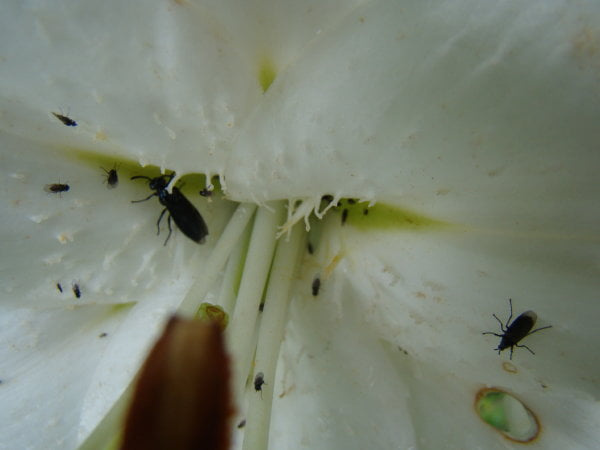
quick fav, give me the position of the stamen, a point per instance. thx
(256, 271)
(218, 258)
(231, 278)
(270, 337)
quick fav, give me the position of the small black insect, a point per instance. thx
(57, 188)
(261, 307)
(344, 216)
(112, 177)
(242, 423)
(76, 290)
(59, 287)
(206, 193)
(366, 212)
(516, 331)
(259, 380)
(185, 215)
(103, 335)
(316, 285)
(352, 201)
(310, 248)
(66, 120)
(327, 198)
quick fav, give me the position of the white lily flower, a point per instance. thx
(467, 131)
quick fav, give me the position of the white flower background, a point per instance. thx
(484, 116)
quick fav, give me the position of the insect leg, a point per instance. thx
(524, 346)
(141, 176)
(170, 229)
(542, 328)
(143, 200)
(159, 219)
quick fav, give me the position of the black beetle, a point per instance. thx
(76, 290)
(316, 285)
(259, 380)
(57, 188)
(59, 287)
(65, 120)
(514, 332)
(185, 215)
(112, 177)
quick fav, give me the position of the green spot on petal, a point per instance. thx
(266, 74)
(491, 410)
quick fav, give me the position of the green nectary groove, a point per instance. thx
(118, 307)
(383, 216)
(192, 182)
(380, 216)
(127, 166)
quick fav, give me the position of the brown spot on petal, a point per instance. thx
(182, 397)
(508, 367)
(586, 48)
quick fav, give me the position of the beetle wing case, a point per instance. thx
(186, 216)
(532, 316)
(518, 329)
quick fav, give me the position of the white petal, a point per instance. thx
(169, 88)
(145, 82)
(464, 113)
(97, 238)
(48, 359)
(337, 387)
(390, 351)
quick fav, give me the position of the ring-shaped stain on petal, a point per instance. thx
(507, 414)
